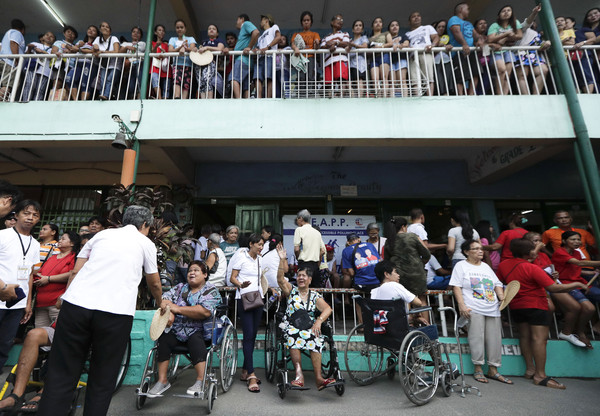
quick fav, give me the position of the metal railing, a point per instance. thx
(363, 73)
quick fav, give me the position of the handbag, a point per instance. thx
(301, 318)
(253, 300)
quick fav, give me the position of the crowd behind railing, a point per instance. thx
(451, 57)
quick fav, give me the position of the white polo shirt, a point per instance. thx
(11, 261)
(109, 280)
(249, 269)
(310, 243)
(418, 229)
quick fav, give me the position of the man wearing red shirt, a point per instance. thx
(530, 308)
(563, 220)
(503, 242)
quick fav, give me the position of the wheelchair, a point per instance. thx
(222, 353)
(277, 356)
(390, 343)
(36, 380)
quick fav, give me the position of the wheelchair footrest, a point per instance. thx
(337, 383)
(292, 387)
(189, 396)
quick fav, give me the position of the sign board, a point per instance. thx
(334, 229)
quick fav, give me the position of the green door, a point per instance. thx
(251, 218)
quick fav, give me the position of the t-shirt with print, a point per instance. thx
(477, 283)
(466, 28)
(533, 280)
(506, 237)
(12, 36)
(175, 42)
(336, 57)
(244, 40)
(229, 249)
(214, 43)
(363, 261)
(267, 37)
(420, 37)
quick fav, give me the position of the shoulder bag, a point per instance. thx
(253, 300)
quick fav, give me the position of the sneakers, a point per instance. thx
(572, 338)
(158, 389)
(196, 389)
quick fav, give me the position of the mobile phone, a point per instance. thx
(20, 296)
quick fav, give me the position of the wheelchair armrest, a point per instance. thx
(446, 308)
(419, 310)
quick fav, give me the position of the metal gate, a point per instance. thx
(69, 208)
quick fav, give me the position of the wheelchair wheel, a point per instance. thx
(228, 358)
(340, 389)
(363, 363)
(327, 366)
(271, 350)
(391, 367)
(212, 396)
(281, 387)
(419, 369)
(447, 384)
(141, 400)
(124, 366)
(173, 366)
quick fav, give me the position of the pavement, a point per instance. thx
(384, 397)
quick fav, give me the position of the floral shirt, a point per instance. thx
(209, 297)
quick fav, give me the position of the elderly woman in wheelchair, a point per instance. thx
(302, 322)
(191, 307)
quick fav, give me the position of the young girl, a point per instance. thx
(208, 73)
(160, 75)
(358, 61)
(110, 70)
(505, 31)
(182, 70)
(380, 65)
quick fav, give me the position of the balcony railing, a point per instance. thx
(365, 73)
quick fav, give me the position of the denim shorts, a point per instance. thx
(506, 56)
(379, 58)
(240, 73)
(261, 72)
(593, 295)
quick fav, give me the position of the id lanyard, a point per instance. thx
(22, 245)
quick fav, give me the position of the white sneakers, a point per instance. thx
(572, 338)
(196, 388)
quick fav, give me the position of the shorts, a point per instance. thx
(592, 295)
(465, 67)
(380, 58)
(355, 74)
(81, 74)
(182, 76)
(439, 283)
(50, 331)
(506, 56)
(264, 68)
(531, 316)
(399, 64)
(240, 73)
(337, 70)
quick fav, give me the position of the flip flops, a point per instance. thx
(253, 388)
(480, 377)
(326, 383)
(545, 382)
(499, 377)
(297, 383)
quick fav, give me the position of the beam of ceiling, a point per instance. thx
(174, 163)
(185, 10)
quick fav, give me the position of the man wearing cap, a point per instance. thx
(268, 40)
(241, 66)
(97, 311)
(309, 247)
(358, 264)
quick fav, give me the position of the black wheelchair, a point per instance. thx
(222, 355)
(390, 343)
(277, 357)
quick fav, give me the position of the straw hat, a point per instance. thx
(159, 323)
(510, 292)
(201, 59)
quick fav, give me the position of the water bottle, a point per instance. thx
(462, 321)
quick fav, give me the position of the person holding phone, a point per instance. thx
(19, 251)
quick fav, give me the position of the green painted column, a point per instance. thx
(584, 154)
(146, 67)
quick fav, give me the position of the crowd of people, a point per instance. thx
(72, 273)
(364, 56)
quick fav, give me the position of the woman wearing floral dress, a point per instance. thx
(309, 338)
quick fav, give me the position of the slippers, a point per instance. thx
(499, 377)
(478, 376)
(326, 383)
(545, 383)
(31, 406)
(297, 383)
(253, 388)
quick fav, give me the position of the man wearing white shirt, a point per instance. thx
(268, 40)
(19, 251)
(97, 311)
(422, 37)
(309, 247)
(13, 43)
(9, 196)
(417, 227)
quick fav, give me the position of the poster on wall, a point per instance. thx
(334, 229)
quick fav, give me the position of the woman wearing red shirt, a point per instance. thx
(51, 279)
(159, 72)
(568, 262)
(529, 308)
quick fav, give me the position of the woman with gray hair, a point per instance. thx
(231, 244)
(216, 262)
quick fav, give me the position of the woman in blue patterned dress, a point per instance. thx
(305, 313)
(192, 305)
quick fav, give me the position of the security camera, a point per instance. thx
(116, 118)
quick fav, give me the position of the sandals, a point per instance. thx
(480, 377)
(246, 379)
(555, 385)
(297, 383)
(528, 376)
(253, 388)
(17, 405)
(325, 383)
(31, 406)
(499, 377)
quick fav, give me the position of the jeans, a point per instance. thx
(250, 320)
(9, 324)
(108, 77)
